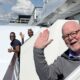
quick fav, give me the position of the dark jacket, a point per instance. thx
(59, 70)
(15, 43)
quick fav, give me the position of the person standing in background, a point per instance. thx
(30, 34)
(16, 44)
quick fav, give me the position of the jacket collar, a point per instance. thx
(68, 54)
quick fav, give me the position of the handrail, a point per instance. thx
(13, 70)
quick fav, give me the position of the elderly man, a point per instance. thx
(65, 63)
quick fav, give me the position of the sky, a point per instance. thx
(6, 7)
(38, 3)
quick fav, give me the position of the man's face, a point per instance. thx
(71, 36)
(12, 37)
(30, 33)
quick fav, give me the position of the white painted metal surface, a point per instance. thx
(5, 57)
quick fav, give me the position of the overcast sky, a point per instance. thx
(37, 2)
(6, 7)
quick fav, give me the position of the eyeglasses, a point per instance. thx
(72, 34)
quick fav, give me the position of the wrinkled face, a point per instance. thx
(30, 33)
(71, 36)
(12, 37)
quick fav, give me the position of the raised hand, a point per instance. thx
(21, 35)
(42, 40)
